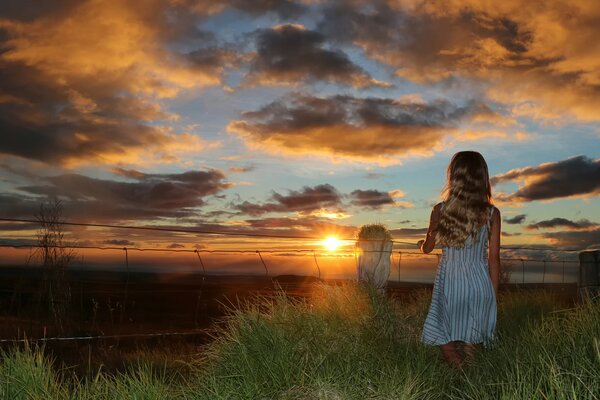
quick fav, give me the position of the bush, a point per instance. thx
(374, 232)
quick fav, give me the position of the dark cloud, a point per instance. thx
(284, 8)
(214, 59)
(362, 128)
(517, 219)
(43, 124)
(304, 226)
(506, 46)
(370, 198)
(509, 234)
(17, 206)
(291, 54)
(427, 46)
(304, 201)
(148, 196)
(374, 175)
(575, 177)
(81, 81)
(27, 10)
(119, 242)
(563, 222)
(409, 232)
(576, 239)
(175, 246)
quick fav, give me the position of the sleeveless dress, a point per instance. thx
(463, 304)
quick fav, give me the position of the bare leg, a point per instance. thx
(469, 349)
(451, 354)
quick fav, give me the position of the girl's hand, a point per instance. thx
(420, 243)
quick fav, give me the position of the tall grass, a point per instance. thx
(346, 342)
(27, 374)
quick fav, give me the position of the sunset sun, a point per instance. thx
(331, 243)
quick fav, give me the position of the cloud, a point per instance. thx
(93, 199)
(370, 198)
(307, 200)
(577, 239)
(574, 177)
(375, 199)
(516, 54)
(409, 232)
(322, 201)
(290, 54)
(240, 170)
(83, 81)
(517, 219)
(374, 175)
(284, 8)
(509, 234)
(563, 222)
(119, 242)
(303, 226)
(366, 129)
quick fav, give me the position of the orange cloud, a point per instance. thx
(84, 83)
(111, 41)
(540, 52)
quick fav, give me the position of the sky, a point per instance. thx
(297, 117)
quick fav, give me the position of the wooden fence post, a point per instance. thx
(589, 274)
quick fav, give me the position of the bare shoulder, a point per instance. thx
(436, 210)
(495, 213)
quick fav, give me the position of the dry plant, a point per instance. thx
(505, 272)
(374, 232)
(55, 291)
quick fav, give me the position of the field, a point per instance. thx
(342, 342)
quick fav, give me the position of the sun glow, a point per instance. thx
(332, 243)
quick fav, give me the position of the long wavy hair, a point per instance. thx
(467, 199)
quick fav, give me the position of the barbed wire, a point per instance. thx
(260, 235)
(302, 252)
(195, 332)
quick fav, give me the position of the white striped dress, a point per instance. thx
(463, 305)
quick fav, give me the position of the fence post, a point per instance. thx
(126, 289)
(523, 269)
(317, 264)
(399, 264)
(544, 274)
(589, 274)
(263, 263)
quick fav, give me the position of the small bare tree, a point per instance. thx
(55, 292)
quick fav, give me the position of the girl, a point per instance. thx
(467, 226)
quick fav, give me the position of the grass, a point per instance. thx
(345, 343)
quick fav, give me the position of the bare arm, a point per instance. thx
(428, 244)
(494, 249)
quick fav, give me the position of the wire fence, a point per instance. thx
(399, 265)
(258, 235)
(313, 253)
